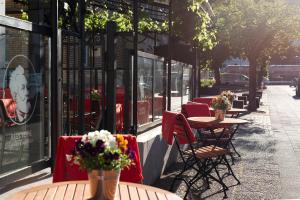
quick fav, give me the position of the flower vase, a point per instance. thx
(219, 115)
(103, 184)
(95, 107)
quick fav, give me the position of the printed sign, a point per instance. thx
(20, 79)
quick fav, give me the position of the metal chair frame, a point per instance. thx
(203, 166)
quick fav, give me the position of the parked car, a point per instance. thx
(234, 79)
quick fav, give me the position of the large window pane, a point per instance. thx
(23, 100)
(187, 83)
(159, 88)
(176, 86)
(144, 103)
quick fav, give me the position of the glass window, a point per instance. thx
(186, 84)
(176, 86)
(38, 11)
(145, 84)
(159, 89)
(23, 98)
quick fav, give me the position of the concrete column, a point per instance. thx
(2, 7)
(2, 35)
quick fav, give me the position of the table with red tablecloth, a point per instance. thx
(64, 171)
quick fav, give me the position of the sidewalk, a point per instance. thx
(269, 167)
(270, 153)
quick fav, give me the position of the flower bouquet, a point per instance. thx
(103, 155)
(230, 95)
(95, 95)
(220, 104)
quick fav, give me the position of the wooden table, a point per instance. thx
(80, 190)
(211, 123)
(235, 112)
(208, 122)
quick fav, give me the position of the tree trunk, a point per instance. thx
(217, 74)
(252, 84)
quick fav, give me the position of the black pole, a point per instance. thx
(54, 81)
(195, 77)
(135, 65)
(110, 124)
(169, 58)
(81, 105)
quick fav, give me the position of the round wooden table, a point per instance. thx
(80, 190)
(233, 111)
(211, 122)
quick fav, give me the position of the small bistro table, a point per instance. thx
(74, 190)
(234, 112)
(211, 123)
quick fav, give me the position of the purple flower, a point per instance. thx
(100, 146)
(116, 156)
(88, 147)
(108, 156)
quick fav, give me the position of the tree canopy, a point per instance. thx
(256, 30)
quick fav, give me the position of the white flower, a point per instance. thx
(84, 138)
(69, 157)
(112, 141)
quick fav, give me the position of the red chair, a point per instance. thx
(8, 111)
(204, 159)
(64, 171)
(206, 100)
(195, 110)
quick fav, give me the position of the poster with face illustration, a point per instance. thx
(20, 78)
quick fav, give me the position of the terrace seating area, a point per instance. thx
(210, 153)
(262, 171)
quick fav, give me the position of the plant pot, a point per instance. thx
(103, 184)
(219, 115)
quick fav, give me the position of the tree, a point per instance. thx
(256, 29)
(218, 55)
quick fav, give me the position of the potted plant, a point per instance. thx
(230, 95)
(103, 155)
(95, 99)
(220, 104)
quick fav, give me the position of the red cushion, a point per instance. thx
(206, 100)
(63, 171)
(10, 107)
(195, 110)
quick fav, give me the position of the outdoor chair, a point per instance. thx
(7, 118)
(209, 136)
(201, 110)
(206, 100)
(243, 98)
(238, 104)
(205, 160)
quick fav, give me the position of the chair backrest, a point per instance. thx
(243, 98)
(238, 104)
(9, 107)
(176, 125)
(206, 100)
(195, 110)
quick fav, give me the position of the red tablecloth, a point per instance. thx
(63, 171)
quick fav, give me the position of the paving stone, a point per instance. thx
(270, 148)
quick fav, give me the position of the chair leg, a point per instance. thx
(234, 149)
(230, 169)
(222, 183)
(232, 158)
